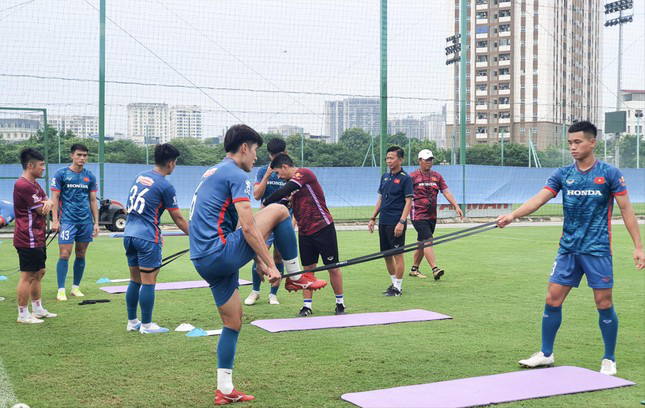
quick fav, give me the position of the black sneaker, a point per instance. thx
(304, 312)
(340, 309)
(392, 291)
(437, 273)
(388, 289)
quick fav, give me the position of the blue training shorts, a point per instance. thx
(569, 268)
(221, 269)
(70, 233)
(142, 253)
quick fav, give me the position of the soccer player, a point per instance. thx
(218, 250)
(393, 204)
(6, 213)
(267, 181)
(149, 196)
(589, 187)
(316, 231)
(426, 184)
(75, 206)
(31, 206)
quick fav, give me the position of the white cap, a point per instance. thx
(426, 154)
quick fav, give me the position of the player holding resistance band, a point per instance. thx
(316, 231)
(588, 187)
(149, 196)
(218, 250)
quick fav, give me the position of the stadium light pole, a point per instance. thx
(102, 97)
(462, 97)
(383, 84)
(618, 7)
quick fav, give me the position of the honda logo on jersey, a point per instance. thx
(599, 180)
(584, 193)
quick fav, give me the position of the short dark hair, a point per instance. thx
(165, 153)
(586, 127)
(237, 135)
(276, 145)
(79, 146)
(30, 155)
(281, 159)
(399, 152)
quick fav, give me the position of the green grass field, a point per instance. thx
(494, 289)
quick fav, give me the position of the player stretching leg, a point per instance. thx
(218, 250)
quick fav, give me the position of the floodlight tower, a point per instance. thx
(625, 8)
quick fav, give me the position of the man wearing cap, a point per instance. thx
(426, 184)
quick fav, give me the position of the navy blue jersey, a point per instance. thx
(74, 200)
(150, 195)
(394, 188)
(6, 212)
(587, 198)
(212, 214)
(273, 183)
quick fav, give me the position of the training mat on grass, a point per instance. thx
(490, 389)
(169, 286)
(348, 320)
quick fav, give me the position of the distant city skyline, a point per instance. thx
(245, 68)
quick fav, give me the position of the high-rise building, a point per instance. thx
(148, 120)
(413, 128)
(533, 68)
(185, 121)
(633, 101)
(351, 113)
(81, 126)
(436, 127)
(334, 120)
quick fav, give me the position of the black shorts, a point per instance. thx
(32, 259)
(323, 243)
(425, 229)
(387, 238)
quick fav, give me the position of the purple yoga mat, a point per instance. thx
(349, 320)
(169, 286)
(490, 389)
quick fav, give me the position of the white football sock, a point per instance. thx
(225, 380)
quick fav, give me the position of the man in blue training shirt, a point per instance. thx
(75, 206)
(588, 187)
(149, 196)
(218, 250)
(266, 182)
(6, 213)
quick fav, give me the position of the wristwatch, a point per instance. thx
(402, 221)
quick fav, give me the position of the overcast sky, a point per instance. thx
(265, 63)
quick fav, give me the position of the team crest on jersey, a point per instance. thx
(146, 181)
(569, 182)
(209, 172)
(599, 180)
(297, 175)
(86, 179)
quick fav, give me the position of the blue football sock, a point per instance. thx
(608, 321)
(61, 272)
(132, 299)
(274, 289)
(550, 324)
(79, 268)
(257, 281)
(285, 240)
(226, 348)
(147, 302)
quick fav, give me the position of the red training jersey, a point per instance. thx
(308, 203)
(426, 189)
(30, 226)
